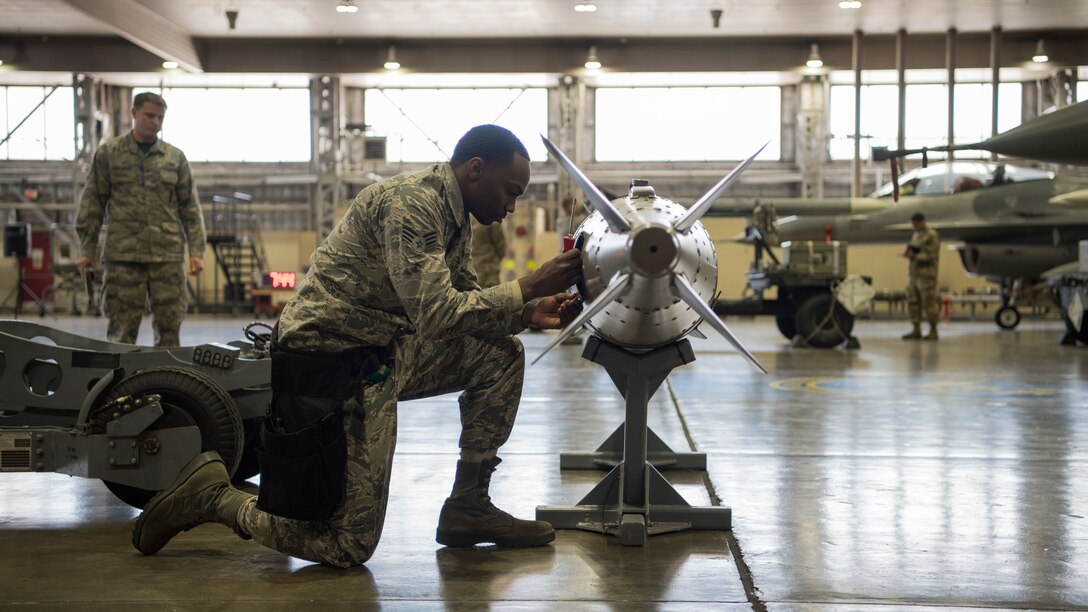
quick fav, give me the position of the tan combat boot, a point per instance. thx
(932, 335)
(200, 494)
(468, 517)
(914, 334)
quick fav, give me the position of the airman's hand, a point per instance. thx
(196, 264)
(558, 274)
(552, 312)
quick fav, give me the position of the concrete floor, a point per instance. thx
(901, 475)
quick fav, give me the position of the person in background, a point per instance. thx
(924, 252)
(141, 189)
(488, 250)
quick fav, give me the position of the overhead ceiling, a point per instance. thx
(523, 36)
(405, 19)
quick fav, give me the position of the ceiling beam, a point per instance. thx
(99, 54)
(144, 27)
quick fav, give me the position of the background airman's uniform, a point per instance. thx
(488, 250)
(922, 284)
(152, 212)
(396, 272)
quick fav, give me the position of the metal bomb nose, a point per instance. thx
(649, 266)
(653, 250)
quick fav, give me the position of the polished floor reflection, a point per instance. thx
(904, 474)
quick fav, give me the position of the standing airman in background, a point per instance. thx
(924, 252)
(144, 188)
(488, 249)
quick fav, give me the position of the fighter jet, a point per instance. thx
(1015, 223)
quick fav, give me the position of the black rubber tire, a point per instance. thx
(249, 466)
(787, 325)
(816, 328)
(1007, 317)
(188, 398)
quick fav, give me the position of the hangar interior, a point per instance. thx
(893, 475)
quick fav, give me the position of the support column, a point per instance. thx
(86, 92)
(995, 80)
(901, 82)
(855, 186)
(812, 134)
(353, 104)
(569, 135)
(950, 66)
(325, 153)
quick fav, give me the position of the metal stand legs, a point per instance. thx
(634, 500)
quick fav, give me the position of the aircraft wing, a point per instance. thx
(742, 207)
(1073, 199)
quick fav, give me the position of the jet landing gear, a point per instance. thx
(1008, 317)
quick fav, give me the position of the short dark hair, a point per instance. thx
(917, 217)
(491, 143)
(148, 96)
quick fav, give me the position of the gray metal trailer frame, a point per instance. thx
(131, 416)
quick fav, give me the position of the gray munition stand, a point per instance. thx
(634, 500)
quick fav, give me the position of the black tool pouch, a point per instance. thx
(303, 449)
(302, 472)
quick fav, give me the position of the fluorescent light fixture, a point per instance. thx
(391, 62)
(814, 60)
(592, 63)
(1040, 56)
(347, 6)
(169, 65)
(850, 4)
(585, 6)
(1, 62)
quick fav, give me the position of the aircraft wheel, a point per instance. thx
(823, 322)
(188, 398)
(787, 324)
(1007, 317)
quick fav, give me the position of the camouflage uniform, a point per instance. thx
(396, 271)
(488, 249)
(153, 211)
(922, 286)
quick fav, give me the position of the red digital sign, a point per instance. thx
(282, 280)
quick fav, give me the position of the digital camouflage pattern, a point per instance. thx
(147, 201)
(396, 271)
(488, 250)
(151, 211)
(490, 371)
(398, 263)
(922, 285)
(126, 285)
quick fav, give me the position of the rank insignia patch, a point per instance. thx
(424, 243)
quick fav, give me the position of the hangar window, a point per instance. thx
(926, 116)
(47, 130)
(687, 123)
(234, 124)
(879, 119)
(974, 106)
(417, 127)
